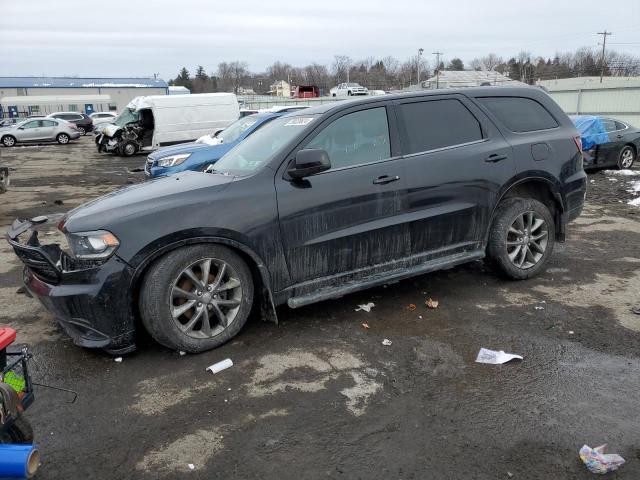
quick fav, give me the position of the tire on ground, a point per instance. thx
(507, 212)
(155, 297)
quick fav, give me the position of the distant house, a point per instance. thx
(120, 90)
(467, 78)
(280, 89)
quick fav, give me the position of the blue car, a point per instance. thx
(197, 156)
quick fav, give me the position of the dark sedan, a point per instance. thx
(607, 142)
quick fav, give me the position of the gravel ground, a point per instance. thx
(320, 396)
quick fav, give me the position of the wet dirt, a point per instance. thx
(319, 396)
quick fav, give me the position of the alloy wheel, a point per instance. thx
(8, 141)
(626, 159)
(205, 298)
(129, 149)
(527, 240)
(82, 130)
(63, 138)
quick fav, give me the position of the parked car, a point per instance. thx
(607, 142)
(80, 120)
(148, 123)
(100, 118)
(245, 112)
(39, 130)
(348, 89)
(315, 205)
(197, 156)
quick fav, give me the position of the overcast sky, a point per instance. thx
(137, 38)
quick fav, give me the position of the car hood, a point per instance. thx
(181, 148)
(159, 195)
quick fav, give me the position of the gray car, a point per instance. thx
(39, 130)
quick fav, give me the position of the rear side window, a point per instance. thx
(519, 114)
(49, 123)
(438, 124)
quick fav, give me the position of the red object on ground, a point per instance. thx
(306, 91)
(7, 337)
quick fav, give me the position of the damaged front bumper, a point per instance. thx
(107, 144)
(89, 300)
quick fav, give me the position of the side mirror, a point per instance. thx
(20, 128)
(309, 162)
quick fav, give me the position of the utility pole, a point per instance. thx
(437, 54)
(420, 51)
(604, 43)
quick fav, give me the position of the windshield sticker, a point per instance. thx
(298, 121)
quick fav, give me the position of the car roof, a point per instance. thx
(64, 113)
(500, 91)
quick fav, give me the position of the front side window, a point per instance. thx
(520, 114)
(32, 124)
(438, 124)
(355, 138)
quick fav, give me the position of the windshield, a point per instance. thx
(237, 128)
(353, 84)
(259, 148)
(127, 116)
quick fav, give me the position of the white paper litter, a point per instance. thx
(365, 307)
(494, 357)
(218, 367)
(182, 354)
(539, 308)
(386, 342)
(118, 359)
(191, 466)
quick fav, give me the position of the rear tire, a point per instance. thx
(63, 138)
(182, 312)
(8, 141)
(626, 157)
(522, 237)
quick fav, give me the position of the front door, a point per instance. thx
(47, 129)
(456, 161)
(29, 132)
(345, 220)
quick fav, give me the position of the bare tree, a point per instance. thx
(340, 68)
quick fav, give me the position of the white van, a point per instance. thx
(148, 123)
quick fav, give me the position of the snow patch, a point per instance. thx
(625, 173)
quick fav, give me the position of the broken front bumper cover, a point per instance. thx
(88, 299)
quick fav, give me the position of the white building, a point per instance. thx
(120, 90)
(617, 97)
(467, 78)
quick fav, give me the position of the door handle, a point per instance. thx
(384, 179)
(619, 136)
(494, 157)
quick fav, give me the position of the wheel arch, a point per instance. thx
(539, 188)
(259, 271)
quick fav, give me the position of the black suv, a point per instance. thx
(80, 120)
(317, 204)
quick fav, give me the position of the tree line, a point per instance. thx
(389, 73)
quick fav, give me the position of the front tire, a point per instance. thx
(82, 131)
(8, 141)
(63, 138)
(196, 298)
(128, 149)
(20, 432)
(522, 237)
(626, 157)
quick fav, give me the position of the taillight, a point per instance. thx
(578, 140)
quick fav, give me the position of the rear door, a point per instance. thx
(48, 129)
(608, 153)
(346, 219)
(456, 160)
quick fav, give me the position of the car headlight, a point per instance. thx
(173, 160)
(95, 245)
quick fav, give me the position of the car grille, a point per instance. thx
(38, 263)
(147, 166)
